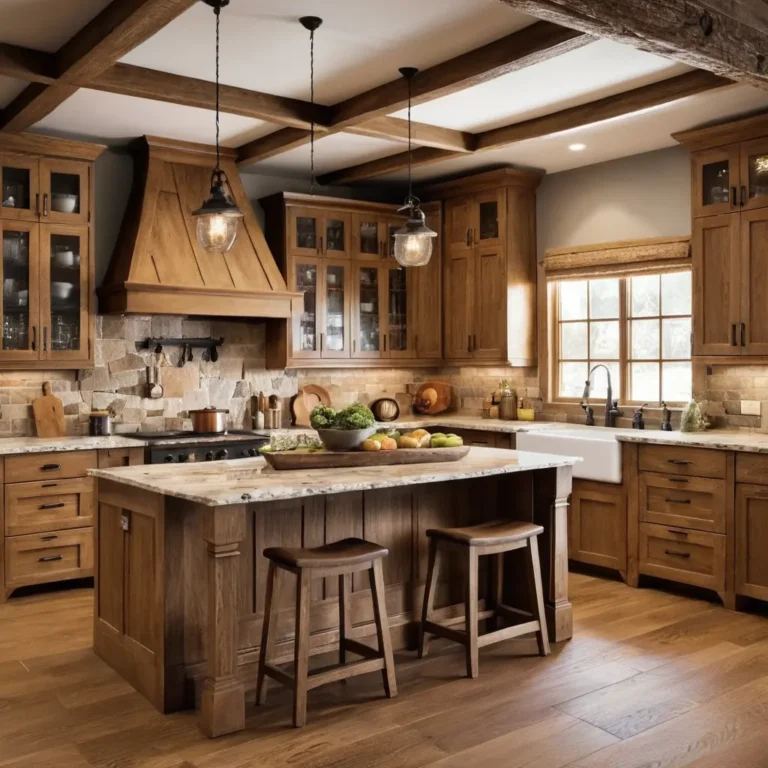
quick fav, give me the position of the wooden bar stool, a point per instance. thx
(342, 559)
(494, 538)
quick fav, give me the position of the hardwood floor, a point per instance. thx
(650, 679)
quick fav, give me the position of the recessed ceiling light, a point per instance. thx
(577, 147)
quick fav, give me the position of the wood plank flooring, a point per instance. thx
(650, 679)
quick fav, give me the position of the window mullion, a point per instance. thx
(623, 342)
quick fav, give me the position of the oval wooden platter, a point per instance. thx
(339, 459)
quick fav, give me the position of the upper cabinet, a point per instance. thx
(489, 277)
(47, 270)
(359, 308)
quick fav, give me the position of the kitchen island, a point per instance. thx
(180, 578)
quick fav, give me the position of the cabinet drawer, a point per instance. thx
(38, 558)
(678, 460)
(689, 557)
(49, 466)
(48, 506)
(687, 502)
(752, 468)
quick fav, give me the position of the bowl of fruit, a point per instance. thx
(343, 430)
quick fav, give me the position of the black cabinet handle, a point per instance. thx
(321, 245)
(50, 467)
(743, 334)
(743, 195)
(385, 342)
(57, 505)
(681, 533)
(50, 558)
(678, 462)
(734, 197)
(34, 338)
(678, 501)
(469, 236)
(45, 339)
(733, 335)
(49, 538)
(678, 479)
(677, 554)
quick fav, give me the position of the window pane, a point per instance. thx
(572, 378)
(603, 298)
(645, 382)
(573, 341)
(676, 293)
(676, 382)
(573, 300)
(604, 340)
(599, 388)
(645, 296)
(645, 340)
(676, 338)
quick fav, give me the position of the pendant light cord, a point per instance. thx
(312, 102)
(410, 188)
(217, 11)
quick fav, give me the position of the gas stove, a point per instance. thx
(186, 447)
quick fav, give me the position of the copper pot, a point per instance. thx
(209, 421)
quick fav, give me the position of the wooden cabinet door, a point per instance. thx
(398, 311)
(752, 541)
(459, 221)
(306, 276)
(715, 182)
(334, 306)
(754, 282)
(19, 188)
(753, 192)
(368, 237)
(65, 188)
(716, 285)
(336, 237)
(305, 226)
(20, 273)
(489, 218)
(490, 316)
(369, 301)
(458, 305)
(427, 282)
(597, 529)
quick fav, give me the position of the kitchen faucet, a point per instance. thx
(611, 405)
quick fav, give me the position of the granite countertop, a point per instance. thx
(457, 421)
(220, 483)
(747, 442)
(13, 446)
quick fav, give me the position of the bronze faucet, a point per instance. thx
(611, 406)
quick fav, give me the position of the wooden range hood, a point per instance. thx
(158, 267)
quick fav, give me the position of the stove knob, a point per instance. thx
(168, 458)
(222, 454)
(209, 456)
(253, 452)
(183, 458)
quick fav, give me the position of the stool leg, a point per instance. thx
(430, 588)
(382, 628)
(498, 588)
(268, 632)
(471, 619)
(537, 594)
(301, 650)
(344, 614)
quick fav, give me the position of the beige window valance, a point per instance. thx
(620, 259)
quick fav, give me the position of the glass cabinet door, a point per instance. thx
(716, 182)
(304, 232)
(19, 188)
(754, 174)
(391, 227)
(65, 291)
(64, 185)
(369, 237)
(367, 341)
(334, 340)
(335, 240)
(20, 309)
(489, 218)
(306, 279)
(398, 338)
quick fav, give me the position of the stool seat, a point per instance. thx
(339, 554)
(488, 534)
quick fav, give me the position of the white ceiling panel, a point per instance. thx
(331, 152)
(10, 88)
(45, 25)
(600, 69)
(115, 119)
(629, 135)
(360, 45)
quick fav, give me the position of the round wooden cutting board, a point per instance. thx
(433, 397)
(303, 403)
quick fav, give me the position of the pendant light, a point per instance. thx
(413, 241)
(218, 217)
(311, 23)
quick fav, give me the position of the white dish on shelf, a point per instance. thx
(64, 258)
(64, 203)
(61, 290)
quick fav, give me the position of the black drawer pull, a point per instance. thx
(49, 538)
(686, 555)
(678, 480)
(50, 467)
(57, 505)
(680, 533)
(679, 462)
(50, 558)
(678, 501)
(55, 485)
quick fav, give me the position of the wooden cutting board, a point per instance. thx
(49, 414)
(302, 405)
(433, 397)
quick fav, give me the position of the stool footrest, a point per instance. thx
(336, 672)
(353, 646)
(508, 633)
(282, 677)
(442, 631)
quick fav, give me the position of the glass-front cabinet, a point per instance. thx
(370, 234)
(64, 190)
(312, 232)
(754, 174)
(717, 187)
(489, 217)
(19, 188)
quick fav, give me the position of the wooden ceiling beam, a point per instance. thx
(118, 29)
(539, 42)
(422, 134)
(26, 64)
(727, 37)
(272, 144)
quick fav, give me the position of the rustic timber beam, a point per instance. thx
(272, 144)
(26, 64)
(422, 134)
(727, 37)
(118, 29)
(532, 45)
(637, 99)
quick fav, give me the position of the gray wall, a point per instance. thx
(646, 195)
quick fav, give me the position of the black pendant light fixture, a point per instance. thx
(218, 217)
(311, 23)
(413, 241)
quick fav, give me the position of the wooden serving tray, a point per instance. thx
(339, 459)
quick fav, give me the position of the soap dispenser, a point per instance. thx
(638, 422)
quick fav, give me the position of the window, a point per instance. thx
(638, 327)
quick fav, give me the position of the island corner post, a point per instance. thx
(180, 584)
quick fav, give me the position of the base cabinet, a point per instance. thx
(752, 540)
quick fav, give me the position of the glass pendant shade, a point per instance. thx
(413, 241)
(217, 218)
